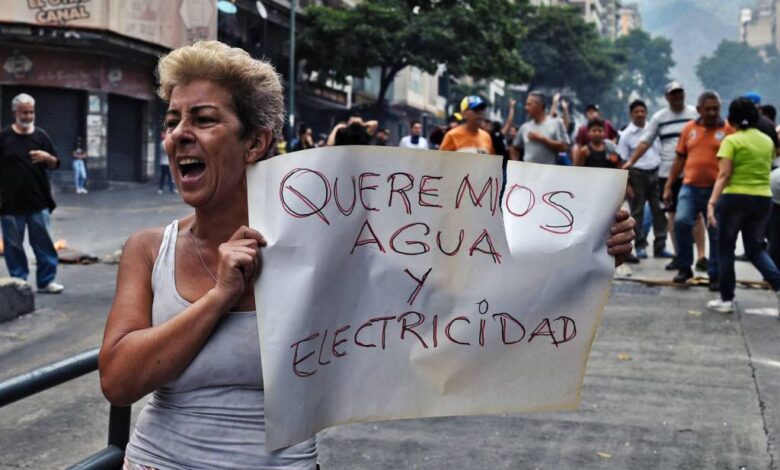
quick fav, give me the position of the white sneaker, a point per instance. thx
(52, 288)
(84, 191)
(723, 306)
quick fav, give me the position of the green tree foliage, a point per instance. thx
(648, 61)
(568, 53)
(470, 37)
(735, 68)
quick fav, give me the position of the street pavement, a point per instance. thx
(669, 385)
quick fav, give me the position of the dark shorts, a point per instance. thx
(675, 192)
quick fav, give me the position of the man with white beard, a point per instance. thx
(26, 152)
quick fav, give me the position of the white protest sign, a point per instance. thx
(396, 284)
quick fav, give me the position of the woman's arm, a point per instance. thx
(725, 170)
(136, 357)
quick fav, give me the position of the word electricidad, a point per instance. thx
(428, 332)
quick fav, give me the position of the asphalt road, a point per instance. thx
(668, 385)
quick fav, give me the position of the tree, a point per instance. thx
(567, 52)
(733, 69)
(647, 64)
(470, 37)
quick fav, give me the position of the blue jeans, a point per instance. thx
(79, 173)
(691, 202)
(40, 241)
(749, 215)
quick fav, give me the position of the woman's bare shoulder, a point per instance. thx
(144, 243)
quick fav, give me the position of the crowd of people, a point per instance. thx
(675, 159)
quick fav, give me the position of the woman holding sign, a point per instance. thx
(183, 324)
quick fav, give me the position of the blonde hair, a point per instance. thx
(254, 84)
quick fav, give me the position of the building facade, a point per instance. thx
(629, 19)
(90, 67)
(758, 25)
(611, 18)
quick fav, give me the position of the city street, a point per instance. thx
(669, 385)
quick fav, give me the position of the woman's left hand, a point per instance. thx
(621, 236)
(712, 221)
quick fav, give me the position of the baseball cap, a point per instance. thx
(594, 107)
(674, 85)
(472, 102)
(754, 97)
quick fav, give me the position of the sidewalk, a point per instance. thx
(669, 385)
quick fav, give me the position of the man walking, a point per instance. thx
(666, 125)
(697, 158)
(469, 136)
(542, 137)
(415, 140)
(26, 152)
(643, 179)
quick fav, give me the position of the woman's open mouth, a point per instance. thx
(191, 169)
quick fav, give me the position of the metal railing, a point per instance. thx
(51, 375)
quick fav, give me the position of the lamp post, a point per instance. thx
(291, 75)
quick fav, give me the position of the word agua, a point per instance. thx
(428, 332)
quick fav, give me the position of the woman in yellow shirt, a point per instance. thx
(741, 200)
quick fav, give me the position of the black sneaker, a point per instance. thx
(672, 266)
(631, 259)
(682, 276)
(701, 264)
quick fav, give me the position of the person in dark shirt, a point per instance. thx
(592, 111)
(382, 137)
(764, 124)
(304, 141)
(598, 152)
(354, 132)
(26, 152)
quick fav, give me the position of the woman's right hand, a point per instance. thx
(239, 262)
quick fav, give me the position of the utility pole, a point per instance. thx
(291, 74)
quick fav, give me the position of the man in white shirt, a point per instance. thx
(643, 179)
(415, 140)
(666, 125)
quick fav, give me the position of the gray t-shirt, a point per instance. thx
(535, 152)
(667, 125)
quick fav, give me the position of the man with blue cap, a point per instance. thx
(765, 125)
(469, 136)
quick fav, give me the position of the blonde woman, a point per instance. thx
(183, 324)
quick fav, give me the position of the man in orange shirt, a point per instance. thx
(697, 151)
(469, 136)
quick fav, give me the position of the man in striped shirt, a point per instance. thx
(666, 125)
